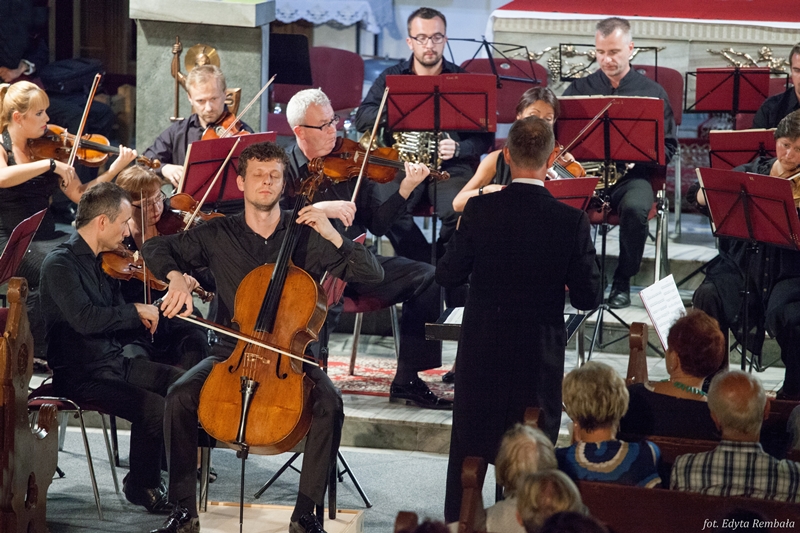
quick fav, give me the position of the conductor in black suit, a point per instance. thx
(518, 247)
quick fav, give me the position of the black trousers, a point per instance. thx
(135, 391)
(180, 432)
(632, 198)
(406, 237)
(783, 322)
(412, 284)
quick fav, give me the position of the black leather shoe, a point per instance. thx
(306, 524)
(449, 377)
(417, 393)
(179, 521)
(154, 500)
(619, 299)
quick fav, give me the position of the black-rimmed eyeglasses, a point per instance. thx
(332, 122)
(436, 38)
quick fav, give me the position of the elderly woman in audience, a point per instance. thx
(677, 406)
(595, 398)
(543, 494)
(523, 450)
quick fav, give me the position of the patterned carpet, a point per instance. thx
(373, 376)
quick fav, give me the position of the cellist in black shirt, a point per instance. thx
(232, 247)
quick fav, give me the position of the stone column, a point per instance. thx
(238, 29)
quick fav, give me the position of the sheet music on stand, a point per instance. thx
(664, 306)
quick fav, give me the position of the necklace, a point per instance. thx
(687, 388)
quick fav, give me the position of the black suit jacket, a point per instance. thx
(519, 247)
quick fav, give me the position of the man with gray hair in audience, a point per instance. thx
(738, 466)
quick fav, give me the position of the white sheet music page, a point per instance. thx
(664, 306)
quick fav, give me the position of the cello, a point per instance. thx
(258, 397)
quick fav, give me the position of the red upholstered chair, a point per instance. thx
(340, 75)
(672, 82)
(44, 395)
(509, 94)
(334, 288)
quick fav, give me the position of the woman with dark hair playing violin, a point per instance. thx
(493, 173)
(26, 185)
(175, 341)
(205, 86)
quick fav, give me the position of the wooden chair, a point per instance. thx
(626, 509)
(28, 454)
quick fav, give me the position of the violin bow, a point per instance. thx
(580, 133)
(247, 107)
(213, 182)
(242, 337)
(369, 146)
(74, 153)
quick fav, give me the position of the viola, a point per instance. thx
(565, 168)
(93, 149)
(125, 265)
(181, 208)
(226, 126)
(344, 163)
(258, 397)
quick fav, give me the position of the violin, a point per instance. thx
(259, 397)
(93, 149)
(182, 207)
(226, 126)
(564, 168)
(344, 163)
(125, 265)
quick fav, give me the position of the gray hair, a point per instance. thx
(523, 450)
(737, 400)
(298, 106)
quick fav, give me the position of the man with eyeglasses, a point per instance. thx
(460, 151)
(406, 281)
(205, 86)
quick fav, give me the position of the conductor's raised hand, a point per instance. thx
(178, 296)
(317, 219)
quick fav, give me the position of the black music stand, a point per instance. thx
(17, 246)
(630, 130)
(756, 209)
(728, 90)
(203, 160)
(732, 148)
(493, 52)
(456, 102)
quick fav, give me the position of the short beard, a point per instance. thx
(424, 63)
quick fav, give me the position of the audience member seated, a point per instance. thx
(595, 398)
(738, 466)
(524, 450)
(543, 494)
(571, 522)
(677, 407)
